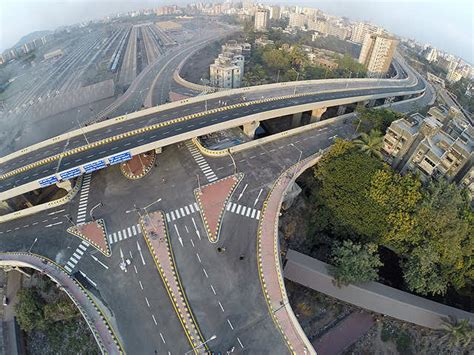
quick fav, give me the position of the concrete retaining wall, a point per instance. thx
(373, 296)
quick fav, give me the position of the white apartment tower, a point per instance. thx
(377, 53)
(261, 20)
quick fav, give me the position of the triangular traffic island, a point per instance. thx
(212, 199)
(94, 233)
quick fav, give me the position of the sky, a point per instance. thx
(446, 24)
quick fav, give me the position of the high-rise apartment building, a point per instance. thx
(297, 20)
(361, 29)
(275, 13)
(377, 53)
(431, 55)
(261, 19)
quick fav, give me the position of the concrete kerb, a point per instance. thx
(170, 292)
(44, 206)
(156, 109)
(297, 170)
(107, 252)
(44, 261)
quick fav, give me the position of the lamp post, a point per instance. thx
(100, 204)
(297, 77)
(203, 343)
(31, 247)
(299, 158)
(233, 161)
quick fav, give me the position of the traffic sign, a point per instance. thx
(69, 174)
(48, 181)
(118, 158)
(93, 166)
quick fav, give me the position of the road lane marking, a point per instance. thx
(95, 258)
(240, 343)
(163, 339)
(141, 285)
(220, 305)
(241, 194)
(205, 273)
(154, 320)
(213, 291)
(87, 278)
(199, 258)
(140, 251)
(258, 196)
(147, 303)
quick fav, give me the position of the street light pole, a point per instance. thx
(233, 161)
(82, 131)
(31, 247)
(100, 204)
(296, 81)
(204, 343)
(299, 158)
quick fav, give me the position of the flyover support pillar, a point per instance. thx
(341, 110)
(158, 150)
(250, 128)
(317, 113)
(296, 119)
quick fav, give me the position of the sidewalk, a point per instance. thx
(269, 263)
(102, 331)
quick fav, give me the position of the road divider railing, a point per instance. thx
(391, 83)
(104, 334)
(161, 125)
(44, 206)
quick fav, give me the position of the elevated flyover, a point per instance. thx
(110, 142)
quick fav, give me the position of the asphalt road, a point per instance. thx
(156, 135)
(223, 289)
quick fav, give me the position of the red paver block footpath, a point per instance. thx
(270, 267)
(94, 233)
(212, 199)
(346, 333)
(156, 237)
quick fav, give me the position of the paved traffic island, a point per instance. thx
(212, 199)
(157, 238)
(94, 233)
(139, 165)
(269, 262)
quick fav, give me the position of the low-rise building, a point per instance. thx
(58, 53)
(227, 70)
(437, 146)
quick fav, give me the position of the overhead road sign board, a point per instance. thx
(118, 158)
(50, 180)
(71, 173)
(93, 166)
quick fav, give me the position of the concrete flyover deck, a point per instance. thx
(159, 127)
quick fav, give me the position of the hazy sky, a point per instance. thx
(447, 24)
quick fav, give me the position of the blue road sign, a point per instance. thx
(69, 174)
(118, 158)
(48, 181)
(95, 165)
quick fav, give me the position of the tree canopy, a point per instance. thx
(355, 263)
(429, 227)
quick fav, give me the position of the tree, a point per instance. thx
(457, 333)
(275, 60)
(351, 67)
(398, 198)
(355, 263)
(29, 310)
(370, 143)
(344, 174)
(379, 119)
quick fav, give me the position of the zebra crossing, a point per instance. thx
(82, 211)
(182, 211)
(243, 210)
(203, 165)
(125, 233)
(76, 256)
